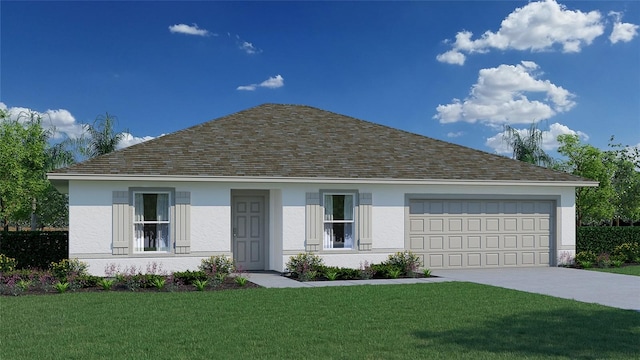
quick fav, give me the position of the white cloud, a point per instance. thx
(455, 134)
(188, 30)
(60, 121)
(624, 32)
(271, 83)
(549, 138)
(536, 26)
(248, 47)
(63, 124)
(129, 140)
(499, 97)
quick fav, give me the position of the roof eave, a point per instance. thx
(60, 180)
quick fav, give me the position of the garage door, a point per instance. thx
(481, 233)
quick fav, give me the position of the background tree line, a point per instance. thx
(27, 153)
(616, 200)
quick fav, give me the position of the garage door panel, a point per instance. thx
(481, 233)
(417, 226)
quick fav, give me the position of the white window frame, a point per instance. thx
(136, 247)
(326, 242)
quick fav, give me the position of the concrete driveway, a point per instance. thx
(615, 290)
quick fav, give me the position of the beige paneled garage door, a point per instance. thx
(481, 233)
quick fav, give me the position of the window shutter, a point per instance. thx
(183, 222)
(121, 222)
(364, 221)
(313, 221)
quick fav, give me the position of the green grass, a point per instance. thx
(420, 321)
(626, 270)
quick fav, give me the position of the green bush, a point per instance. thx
(66, 268)
(7, 263)
(604, 239)
(35, 249)
(305, 266)
(627, 252)
(585, 256)
(406, 261)
(217, 264)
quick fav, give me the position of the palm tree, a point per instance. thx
(527, 148)
(100, 138)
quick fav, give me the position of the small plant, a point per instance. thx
(241, 280)
(426, 272)
(106, 284)
(61, 286)
(617, 263)
(159, 283)
(603, 260)
(586, 264)
(7, 264)
(24, 285)
(200, 284)
(331, 274)
(566, 259)
(394, 273)
(366, 270)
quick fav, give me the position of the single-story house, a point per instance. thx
(275, 180)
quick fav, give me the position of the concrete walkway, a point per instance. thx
(276, 280)
(615, 290)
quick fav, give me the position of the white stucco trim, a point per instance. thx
(58, 179)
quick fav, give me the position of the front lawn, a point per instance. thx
(626, 270)
(425, 321)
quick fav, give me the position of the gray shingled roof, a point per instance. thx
(274, 140)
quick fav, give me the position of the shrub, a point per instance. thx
(585, 256)
(627, 252)
(106, 284)
(305, 266)
(7, 263)
(35, 249)
(217, 264)
(426, 272)
(63, 269)
(406, 261)
(601, 239)
(241, 280)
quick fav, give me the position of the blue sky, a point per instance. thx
(452, 70)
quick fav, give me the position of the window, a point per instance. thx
(338, 221)
(151, 222)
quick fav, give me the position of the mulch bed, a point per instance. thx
(228, 284)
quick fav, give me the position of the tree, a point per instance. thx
(593, 204)
(527, 148)
(22, 155)
(626, 182)
(100, 137)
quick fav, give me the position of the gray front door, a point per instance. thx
(249, 232)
